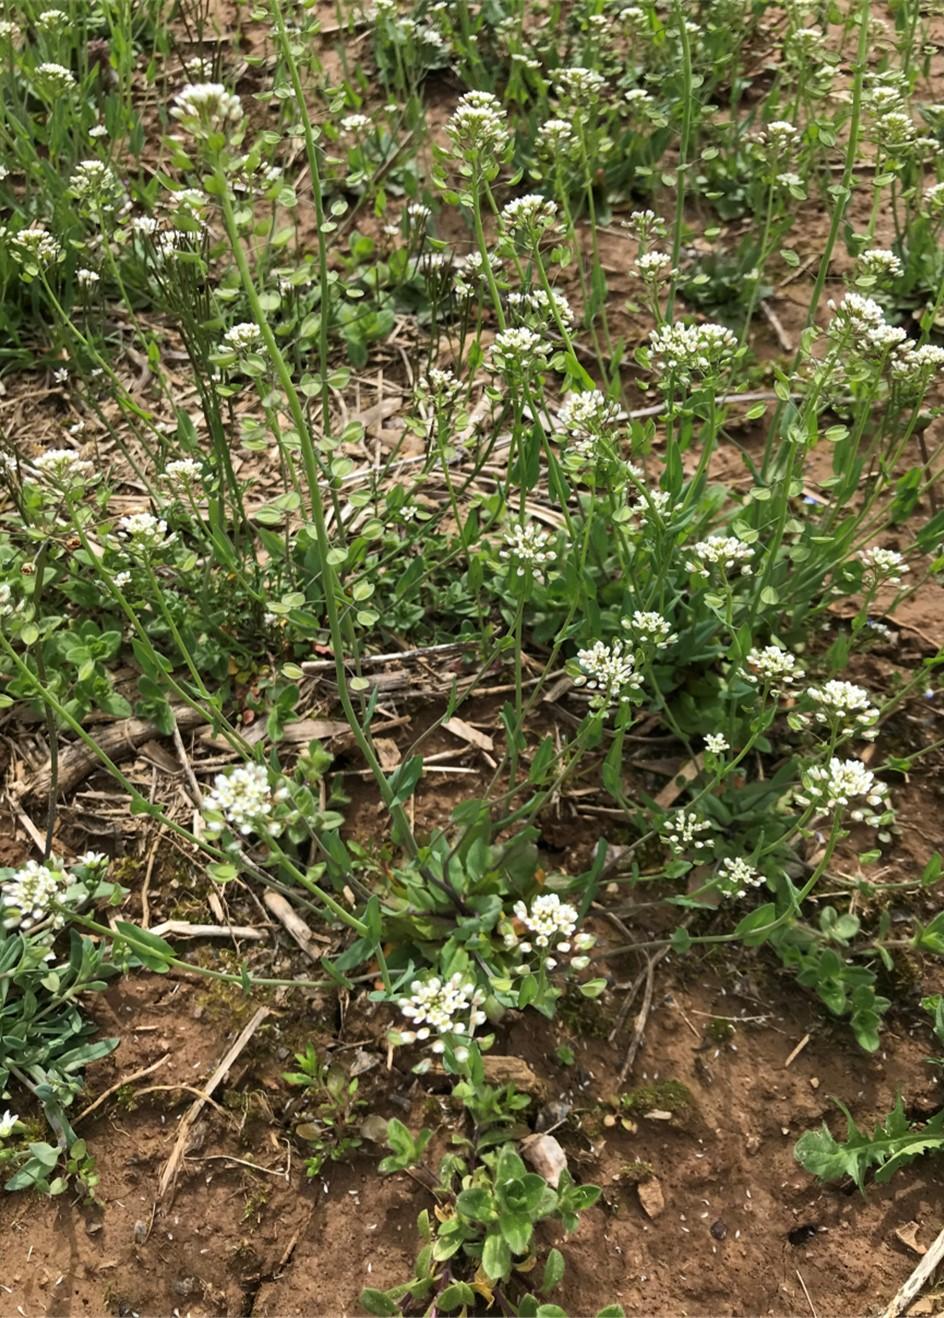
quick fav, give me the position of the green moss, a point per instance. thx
(663, 1095)
(719, 1031)
(631, 1173)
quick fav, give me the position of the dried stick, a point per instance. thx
(912, 1287)
(172, 1166)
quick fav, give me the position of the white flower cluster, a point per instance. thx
(645, 225)
(779, 138)
(518, 350)
(54, 79)
(242, 338)
(609, 671)
(914, 366)
(97, 186)
(588, 413)
(529, 216)
(651, 628)
(774, 666)
(470, 274)
(185, 471)
(579, 84)
(551, 924)
(478, 126)
(443, 387)
(34, 246)
(654, 267)
(528, 550)
(27, 897)
(859, 323)
(934, 199)
(846, 707)
(448, 1008)
(145, 531)
(87, 279)
(683, 832)
(736, 876)
(207, 107)
(882, 565)
(355, 123)
(242, 800)
(844, 783)
(720, 551)
(556, 138)
(717, 743)
(8, 1123)
(879, 263)
(63, 467)
(536, 306)
(681, 353)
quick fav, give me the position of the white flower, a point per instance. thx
(844, 705)
(63, 467)
(478, 126)
(721, 551)
(242, 799)
(470, 274)
(145, 531)
(879, 263)
(355, 123)
(7, 1122)
(773, 665)
(779, 139)
(859, 323)
(519, 349)
(35, 247)
(96, 185)
(934, 199)
(556, 137)
(244, 337)
(9, 31)
(842, 783)
(654, 267)
(447, 1008)
(579, 83)
(651, 628)
(87, 279)
(54, 79)
(609, 672)
(587, 413)
(913, 367)
(528, 549)
(51, 20)
(717, 743)
(683, 832)
(549, 920)
(27, 897)
(736, 876)
(680, 353)
(207, 107)
(881, 565)
(529, 215)
(185, 470)
(93, 860)
(535, 305)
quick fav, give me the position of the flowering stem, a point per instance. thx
(309, 457)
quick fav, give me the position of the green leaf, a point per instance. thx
(376, 1302)
(150, 950)
(496, 1257)
(553, 1271)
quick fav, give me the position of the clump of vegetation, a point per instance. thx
(217, 532)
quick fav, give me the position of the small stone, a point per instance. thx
(651, 1198)
(814, 1082)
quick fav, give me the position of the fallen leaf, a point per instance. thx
(465, 732)
(908, 1235)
